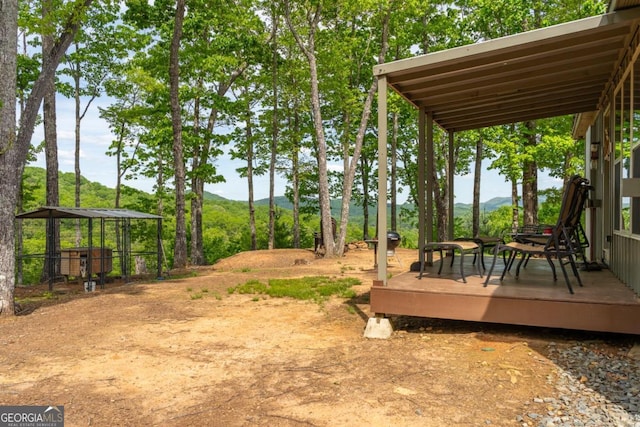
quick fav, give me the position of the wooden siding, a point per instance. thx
(625, 260)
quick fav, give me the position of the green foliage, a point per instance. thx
(225, 222)
(316, 289)
(550, 208)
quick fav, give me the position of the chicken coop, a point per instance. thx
(95, 258)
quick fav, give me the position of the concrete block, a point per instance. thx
(378, 327)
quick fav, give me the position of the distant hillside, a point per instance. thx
(211, 196)
(488, 206)
(336, 204)
(97, 195)
(356, 210)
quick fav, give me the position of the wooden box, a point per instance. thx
(73, 261)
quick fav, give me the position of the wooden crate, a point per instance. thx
(74, 260)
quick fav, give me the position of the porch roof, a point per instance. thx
(553, 71)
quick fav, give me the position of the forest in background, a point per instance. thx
(225, 221)
(285, 86)
(288, 88)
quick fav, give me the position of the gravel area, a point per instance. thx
(592, 388)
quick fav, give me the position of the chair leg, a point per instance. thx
(422, 264)
(493, 264)
(566, 276)
(509, 262)
(441, 262)
(512, 257)
(575, 270)
(464, 280)
(522, 260)
(553, 267)
(480, 268)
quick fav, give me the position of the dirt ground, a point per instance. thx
(185, 352)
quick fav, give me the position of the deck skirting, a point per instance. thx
(581, 315)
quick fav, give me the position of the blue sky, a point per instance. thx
(95, 165)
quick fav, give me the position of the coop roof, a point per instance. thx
(105, 213)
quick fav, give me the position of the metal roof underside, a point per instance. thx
(62, 212)
(553, 71)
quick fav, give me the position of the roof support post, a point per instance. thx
(421, 187)
(90, 252)
(102, 255)
(430, 174)
(450, 180)
(159, 246)
(382, 179)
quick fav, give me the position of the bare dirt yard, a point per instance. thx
(186, 352)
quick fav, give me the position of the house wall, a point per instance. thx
(613, 221)
(625, 257)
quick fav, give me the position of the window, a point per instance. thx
(626, 144)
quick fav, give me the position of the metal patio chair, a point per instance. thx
(563, 242)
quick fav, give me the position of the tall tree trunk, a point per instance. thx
(51, 153)
(78, 175)
(9, 158)
(14, 148)
(252, 209)
(530, 179)
(76, 68)
(20, 199)
(364, 171)
(308, 49)
(200, 158)
(477, 174)
(357, 149)
(441, 195)
(197, 190)
(180, 248)
(514, 206)
(274, 131)
(295, 179)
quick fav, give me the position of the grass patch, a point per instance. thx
(250, 287)
(317, 289)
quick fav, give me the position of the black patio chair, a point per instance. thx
(573, 213)
(562, 243)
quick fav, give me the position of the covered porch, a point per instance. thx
(566, 69)
(603, 304)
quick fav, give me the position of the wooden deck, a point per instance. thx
(603, 304)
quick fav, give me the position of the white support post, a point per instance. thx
(450, 184)
(421, 187)
(382, 179)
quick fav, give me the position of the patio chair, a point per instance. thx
(562, 242)
(573, 213)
